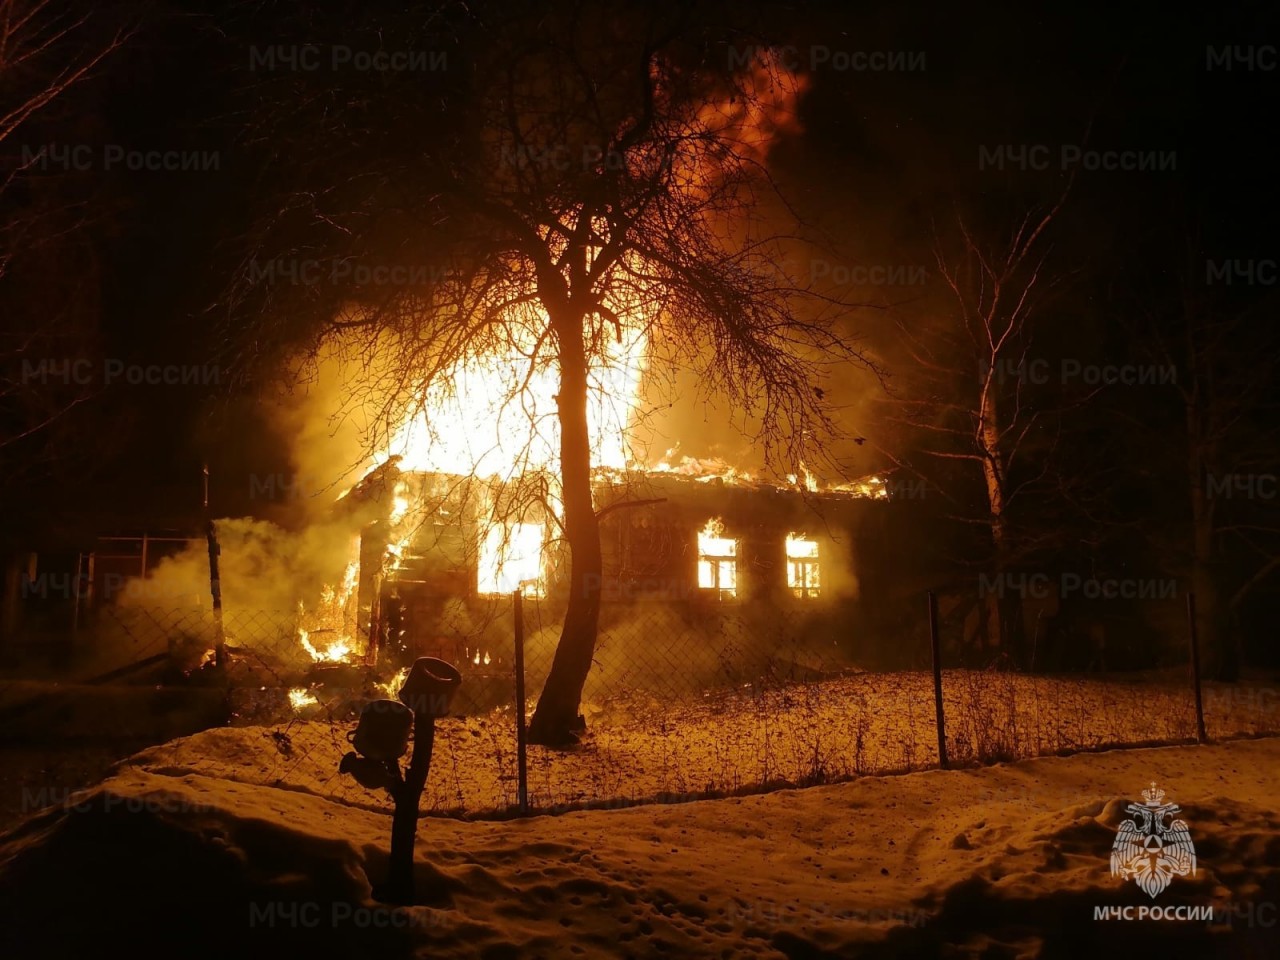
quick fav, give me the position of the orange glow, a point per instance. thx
(495, 414)
(326, 632)
(717, 560)
(300, 698)
(876, 488)
(509, 557)
(802, 566)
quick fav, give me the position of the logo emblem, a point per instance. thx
(1149, 851)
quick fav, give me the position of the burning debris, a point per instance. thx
(300, 698)
(327, 631)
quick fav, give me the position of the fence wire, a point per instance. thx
(691, 699)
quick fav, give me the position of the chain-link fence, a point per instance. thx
(698, 698)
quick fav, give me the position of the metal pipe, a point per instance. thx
(522, 744)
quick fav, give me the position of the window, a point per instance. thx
(802, 566)
(511, 556)
(717, 561)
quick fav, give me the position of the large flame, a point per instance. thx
(327, 630)
(496, 416)
(511, 559)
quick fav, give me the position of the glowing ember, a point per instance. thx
(802, 565)
(717, 560)
(876, 488)
(300, 698)
(336, 652)
(509, 557)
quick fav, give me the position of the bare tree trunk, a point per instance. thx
(555, 721)
(1219, 661)
(1006, 604)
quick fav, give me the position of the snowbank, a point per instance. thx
(998, 861)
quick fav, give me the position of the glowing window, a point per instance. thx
(510, 556)
(717, 561)
(802, 566)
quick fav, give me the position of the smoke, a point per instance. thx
(264, 572)
(327, 411)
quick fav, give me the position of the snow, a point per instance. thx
(1004, 860)
(641, 748)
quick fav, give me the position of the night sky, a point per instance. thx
(878, 151)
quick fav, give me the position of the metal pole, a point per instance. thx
(936, 653)
(215, 578)
(407, 793)
(1201, 736)
(522, 747)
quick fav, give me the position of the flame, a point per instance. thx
(336, 652)
(767, 108)
(300, 698)
(333, 615)
(399, 503)
(703, 470)
(511, 556)
(717, 559)
(497, 412)
(876, 488)
(392, 687)
(802, 565)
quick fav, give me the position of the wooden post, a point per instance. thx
(522, 745)
(215, 579)
(936, 653)
(215, 590)
(1201, 736)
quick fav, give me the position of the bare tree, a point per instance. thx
(47, 48)
(600, 177)
(1221, 346)
(972, 393)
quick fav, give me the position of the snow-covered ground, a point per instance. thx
(996, 861)
(640, 748)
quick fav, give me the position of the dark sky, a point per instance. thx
(879, 147)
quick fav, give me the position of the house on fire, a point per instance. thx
(733, 572)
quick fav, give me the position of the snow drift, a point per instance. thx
(1010, 860)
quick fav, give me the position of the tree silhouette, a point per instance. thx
(587, 178)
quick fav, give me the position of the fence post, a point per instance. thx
(936, 654)
(522, 749)
(1201, 736)
(215, 591)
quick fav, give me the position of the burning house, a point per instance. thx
(737, 573)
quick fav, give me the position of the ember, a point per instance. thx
(300, 698)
